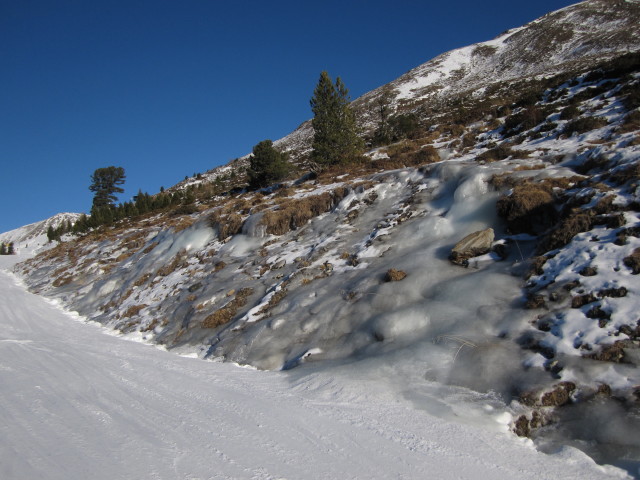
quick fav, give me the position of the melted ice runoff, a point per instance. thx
(78, 403)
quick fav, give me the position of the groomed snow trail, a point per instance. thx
(78, 403)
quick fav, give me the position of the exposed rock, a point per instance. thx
(473, 245)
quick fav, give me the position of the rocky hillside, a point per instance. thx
(460, 86)
(538, 171)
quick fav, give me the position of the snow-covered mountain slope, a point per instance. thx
(567, 40)
(77, 403)
(352, 265)
(34, 235)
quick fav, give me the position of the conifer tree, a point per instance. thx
(51, 233)
(266, 165)
(336, 139)
(105, 183)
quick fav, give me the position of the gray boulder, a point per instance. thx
(473, 245)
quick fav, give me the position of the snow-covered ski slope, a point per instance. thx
(78, 403)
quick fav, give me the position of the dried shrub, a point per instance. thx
(582, 300)
(535, 301)
(595, 162)
(559, 396)
(529, 209)
(123, 256)
(500, 152)
(570, 112)
(633, 261)
(179, 261)
(133, 310)
(394, 275)
(152, 325)
(631, 122)
(142, 280)
(584, 124)
(273, 301)
(611, 353)
(150, 247)
(62, 281)
(626, 174)
(225, 314)
(296, 213)
(536, 266)
(524, 120)
(226, 224)
(577, 222)
(188, 209)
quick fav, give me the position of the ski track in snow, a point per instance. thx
(77, 403)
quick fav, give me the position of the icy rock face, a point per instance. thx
(473, 245)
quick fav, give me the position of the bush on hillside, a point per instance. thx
(583, 125)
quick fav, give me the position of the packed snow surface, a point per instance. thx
(78, 403)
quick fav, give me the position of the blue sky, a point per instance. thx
(171, 88)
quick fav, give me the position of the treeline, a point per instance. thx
(142, 204)
(7, 248)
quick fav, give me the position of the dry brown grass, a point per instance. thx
(295, 213)
(179, 261)
(523, 168)
(633, 261)
(62, 281)
(225, 314)
(274, 301)
(142, 280)
(529, 209)
(394, 275)
(150, 247)
(154, 323)
(133, 310)
(576, 222)
(625, 175)
(123, 256)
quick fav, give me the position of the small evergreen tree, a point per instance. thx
(11, 249)
(266, 165)
(105, 183)
(52, 234)
(383, 134)
(336, 139)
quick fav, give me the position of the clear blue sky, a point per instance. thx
(171, 88)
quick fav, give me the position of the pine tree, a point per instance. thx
(51, 233)
(383, 134)
(104, 182)
(266, 165)
(336, 139)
